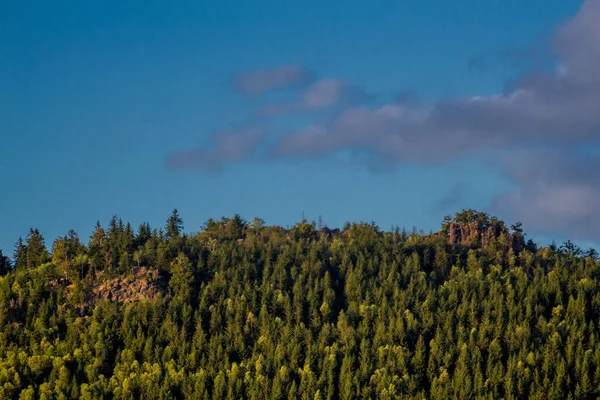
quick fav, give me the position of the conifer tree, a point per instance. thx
(36, 251)
(20, 254)
(5, 265)
(174, 225)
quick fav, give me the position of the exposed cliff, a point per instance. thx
(475, 229)
(143, 284)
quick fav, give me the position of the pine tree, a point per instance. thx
(419, 362)
(37, 254)
(182, 280)
(174, 225)
(65, 252)
(143, 235)
(346, 384)
(20, 254)
(5, 266)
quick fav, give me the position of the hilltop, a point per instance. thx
(245, 310)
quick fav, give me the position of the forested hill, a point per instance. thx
(243, 310)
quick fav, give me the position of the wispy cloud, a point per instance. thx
(228, 147)
(324, 94)
(261, 81)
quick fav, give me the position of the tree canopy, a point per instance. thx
(251, 311)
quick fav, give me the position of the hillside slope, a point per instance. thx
(243, 310)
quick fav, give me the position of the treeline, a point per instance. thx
(262, 312)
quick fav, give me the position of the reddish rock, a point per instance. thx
(472, 235)
(144, 284)
(467, 234)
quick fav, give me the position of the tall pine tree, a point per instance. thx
(5, 266)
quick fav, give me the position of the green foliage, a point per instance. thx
(174, 225)
(35, 248)
(253, 311)
(182, 280)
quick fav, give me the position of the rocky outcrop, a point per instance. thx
(143, 284)
(472, 234)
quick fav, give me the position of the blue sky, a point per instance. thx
(135, 108)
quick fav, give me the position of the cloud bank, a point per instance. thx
(560, 107)
(554, 113)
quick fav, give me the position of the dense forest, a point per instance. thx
(244, 310)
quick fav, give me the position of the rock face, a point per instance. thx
(473, 235)
(144, 284)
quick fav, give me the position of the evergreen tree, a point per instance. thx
(5, 266)
(97, 248)
(36, 252)
(65, 253)
(174, 225)
(20, 254)
(182, 280)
